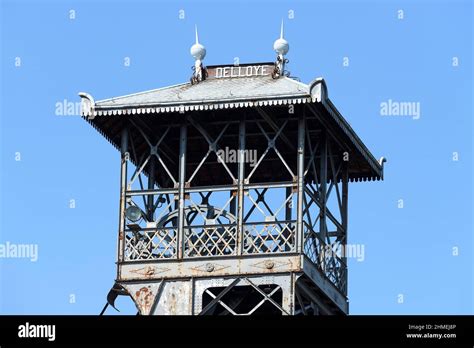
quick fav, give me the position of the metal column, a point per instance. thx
(181, 187)
(240, 182)
(344, 216)
(151, 186)
(123, 189)
(300, 183)
(323, 185)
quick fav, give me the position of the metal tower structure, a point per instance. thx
(234, 192)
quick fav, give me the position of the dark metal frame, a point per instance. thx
(177, 227)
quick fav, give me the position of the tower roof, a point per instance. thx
(238, 90)
(246, 86)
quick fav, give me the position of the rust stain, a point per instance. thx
(172, 304)
(144, 298)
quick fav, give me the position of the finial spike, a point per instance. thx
(198, 51)
(281, 45)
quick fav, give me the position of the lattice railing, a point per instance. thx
(276, 237)
(218, 240)
(325, 258)
(150, 244)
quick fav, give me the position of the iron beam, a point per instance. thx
(181, 187)
(240, 183)
(123, 190)
(300, 183)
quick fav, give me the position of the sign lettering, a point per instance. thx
(239, 71)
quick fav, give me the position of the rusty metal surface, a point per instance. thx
(219, 267)
(143, 294)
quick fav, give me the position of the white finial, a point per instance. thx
(198, 51)
(280, 45)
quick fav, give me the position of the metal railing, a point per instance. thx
(150, 244)
(325, 258)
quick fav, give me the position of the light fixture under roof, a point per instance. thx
(133, 213)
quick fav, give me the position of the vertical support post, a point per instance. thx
(233, 203)
(300, 184)
(288, 214)
(151, 185)
(293, 279)
(344, 220)
(124, 154)
(288, 206)
(323, 176)
(323, 185)
(181, 186)
(240, 183)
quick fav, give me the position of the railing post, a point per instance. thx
(288, 213)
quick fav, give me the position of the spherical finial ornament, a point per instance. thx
(280, 45)
(198, 51)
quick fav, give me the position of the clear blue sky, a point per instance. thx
(408, 251)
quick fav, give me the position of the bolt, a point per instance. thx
(269, 264)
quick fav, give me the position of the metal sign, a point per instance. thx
(236, 71)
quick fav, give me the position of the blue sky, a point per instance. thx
(408, 251)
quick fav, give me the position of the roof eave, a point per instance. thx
(318, 90)
(202, 102)
(317, 93)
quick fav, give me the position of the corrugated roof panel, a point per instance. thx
(245, 88)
